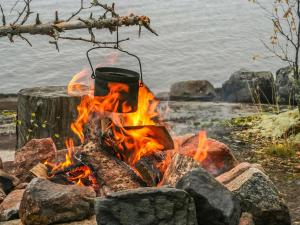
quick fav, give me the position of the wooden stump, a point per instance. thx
(46, 112)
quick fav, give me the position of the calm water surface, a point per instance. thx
(199, 39)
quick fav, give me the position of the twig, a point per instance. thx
(78, 11)
(3, 16)
(25, 39)
(28, 12)
(106, 7)
(90, 41)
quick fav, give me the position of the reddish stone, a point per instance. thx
(45, 203)
(219, 157)
(35, 151)
(9, 208)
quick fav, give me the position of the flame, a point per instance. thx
(79, 175)
(203, 147)
(132, 144)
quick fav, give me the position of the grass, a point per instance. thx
(285, 149)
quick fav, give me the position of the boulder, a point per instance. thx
(192, 90)
(285, 86)
(215, 205)
(9, 208)
(246, 219)
(35, 151)
(45, 203)
(7, 181)
(219, 158)
(248, 87)
(146, 206)
(259, 196)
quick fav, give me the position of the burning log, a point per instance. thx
(177, 168)
(111, 173)
(46, 112)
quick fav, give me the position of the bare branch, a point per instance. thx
(78, 11)
(106, 8)
(49, 28)
(25, 39)
(91, 41)
(3, 16)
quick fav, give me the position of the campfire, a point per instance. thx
(140, 139)
(124, 166)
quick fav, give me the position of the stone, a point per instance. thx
(219, 158)
(192, 90)
(34, 152)
(146, 206)
(215, 205)
(247, 87)
(246, 219)
(7, 181)
(2, 195)
(285, 86)
(91, 221)
(9, 208)
(45, 203)
(259, 196)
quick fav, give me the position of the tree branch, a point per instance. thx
(50, 28)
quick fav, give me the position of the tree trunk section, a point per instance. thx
(46, 112)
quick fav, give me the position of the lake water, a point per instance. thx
(198, 39)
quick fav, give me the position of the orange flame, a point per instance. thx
(203, 147)
(76, 175)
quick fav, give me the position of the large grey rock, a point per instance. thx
(215, 205)
(9, 208)
(45, 203)
(285, 86)
(192, 90)
(146, 206)
(259, 196)
(247, 86)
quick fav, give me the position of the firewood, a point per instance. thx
(111, 173)
(40, 170)
(146, 167)
(177, 168)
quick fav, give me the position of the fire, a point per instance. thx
(203, 147)
(80, 174)
(131, 143)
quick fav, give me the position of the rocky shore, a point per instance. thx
(243, 86)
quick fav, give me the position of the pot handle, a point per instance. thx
(116, 48)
